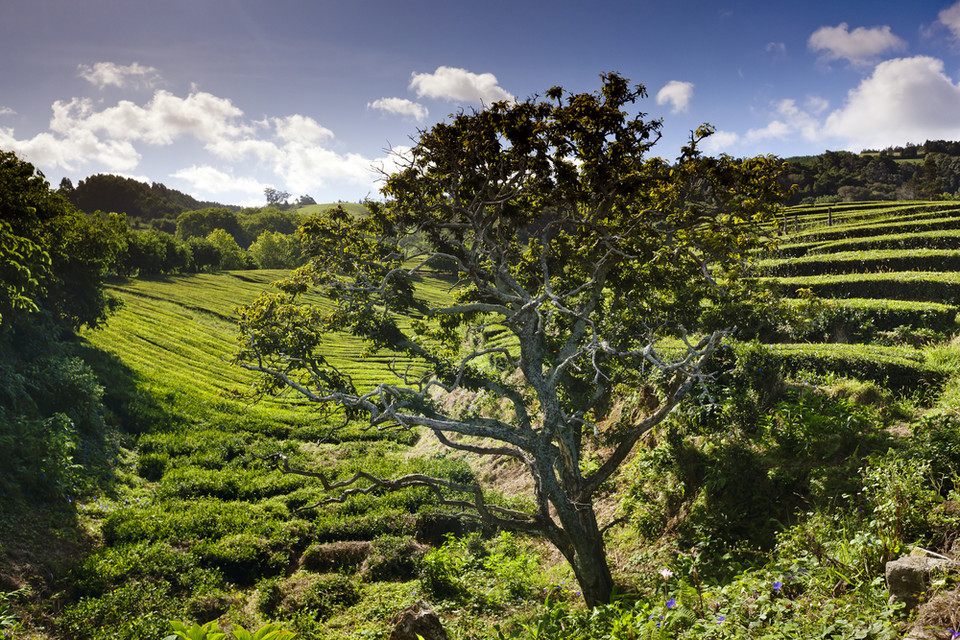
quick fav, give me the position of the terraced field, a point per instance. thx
(887, 274)
(202, 528)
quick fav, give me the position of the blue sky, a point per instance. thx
(222, 98)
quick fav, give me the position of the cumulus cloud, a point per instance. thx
(209, 180)
(298, 128)
(677, 94)
(72, 150)
(860, 47)
(721, 142)
(904, 100)
(400, 106)
(161, 121)
(451, 83)
(296, 148)
(950, 18)
(104, 74)
(7, 111)
(792, 119)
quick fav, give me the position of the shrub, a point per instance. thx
(336, 556)
(393, 558)
(320, 595)
(133, 611)
(243, 557)
(151, 466)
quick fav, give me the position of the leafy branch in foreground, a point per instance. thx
(568, 255)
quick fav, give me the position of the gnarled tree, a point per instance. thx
(569, 252)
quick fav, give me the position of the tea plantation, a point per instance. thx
(830, 446)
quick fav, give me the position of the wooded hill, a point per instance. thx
(142, 203)
(927, 171)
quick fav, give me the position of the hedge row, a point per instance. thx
(910, 217)
(904, 285)
(864, 262)
(869, 234)
(885, 314)
(900, 369)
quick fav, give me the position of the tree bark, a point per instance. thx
(584, 549)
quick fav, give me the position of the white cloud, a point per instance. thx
(721, 142)
(678, 94)
(161, 121)
(104, 74)
(776, 129)
(298, 128)
(7, 111)
(295, 150)
(210, 180)
(904, 100)
(458, 84)
(400, 106)
(817, 105)
(859, 47)
(950, 18)
(72, 150)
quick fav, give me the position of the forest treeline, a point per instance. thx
(926, 171)
(915, 171)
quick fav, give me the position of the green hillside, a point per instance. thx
(774, 505)
(350, 207)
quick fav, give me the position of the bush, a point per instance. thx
(244, 557)
(151, 466)
(393, 558)
(319, 595)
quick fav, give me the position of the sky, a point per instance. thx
(222, 99)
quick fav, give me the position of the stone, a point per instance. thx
(417, 620)
(909, 577)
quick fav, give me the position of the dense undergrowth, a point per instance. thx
(766, 512)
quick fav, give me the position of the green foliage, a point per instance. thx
(275, 250)
(393, 558)
(863, 262)
(903, 370)
(56, 257)
(203, 222)
(138, 200)
(318, 596)
(484, 573)
(211, 631)
(132, 611)
(231, 255)
(561, 233)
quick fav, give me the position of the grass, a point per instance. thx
(350, 207)
(768, 486)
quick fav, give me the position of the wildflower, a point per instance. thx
(666, 573)
(671, 603)
(721, 619)
(954, 635)
(777, 585)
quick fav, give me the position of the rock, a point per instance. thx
(909, 577)
(417, 620)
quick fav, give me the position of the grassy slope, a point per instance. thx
(197, 504)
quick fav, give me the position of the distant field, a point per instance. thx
(350, 207)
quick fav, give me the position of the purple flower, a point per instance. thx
(671, 603)
(721, 619)
(777, 585)
(954, 635)
(666, 573)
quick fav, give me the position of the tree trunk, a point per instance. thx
(591, 569)
(582, 546)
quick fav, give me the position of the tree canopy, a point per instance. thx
(54, 258)
(570, 253)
